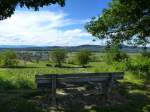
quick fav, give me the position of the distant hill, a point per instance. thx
(15, 46)
(93, 48)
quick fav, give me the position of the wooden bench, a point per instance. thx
(54, 81)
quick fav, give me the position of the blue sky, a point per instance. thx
(52, 25)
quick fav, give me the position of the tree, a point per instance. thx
(114, 53)
(58, 56)
(7, 7)
(25, 57)
(83, 57)
(124, 20)
(38, 57)
(9, 58)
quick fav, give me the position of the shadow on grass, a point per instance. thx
(81, 100)
(121, 100)
(18, 104)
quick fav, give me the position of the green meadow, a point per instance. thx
(27, 72)
(132, 89)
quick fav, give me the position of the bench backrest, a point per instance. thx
(46, 81)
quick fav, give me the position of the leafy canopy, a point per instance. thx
(7, 7)
(58, 56)
(83, 57)
(8, 58)
(124, 20)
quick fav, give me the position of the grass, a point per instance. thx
(134, 96)
(28, 73)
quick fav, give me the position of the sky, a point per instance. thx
(52, 25)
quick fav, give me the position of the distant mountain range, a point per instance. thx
(16, 46)
(93, 48)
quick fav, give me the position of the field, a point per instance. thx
(132, 88)
(27, 73)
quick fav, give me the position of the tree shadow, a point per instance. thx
(120, 100)
(86, 98)
(17, 103)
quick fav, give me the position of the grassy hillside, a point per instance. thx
(130, 92)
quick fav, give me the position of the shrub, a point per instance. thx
(6, 84)
(146, 54)
(83, 57)
(58, 56)
(71, 61)
(117, 56)
(9, 58)
(140, 65)
(23, 84)
(48, 65)
(146, 108)
(94, 58)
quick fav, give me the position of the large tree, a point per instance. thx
(7, 7)
(83, 57)
(124, 20)
(58, 56)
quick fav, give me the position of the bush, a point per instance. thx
(146, 108)
(70, 61)
(6, 84)
(58, 56)
(140, 65)
(23, 84)
(146, 54)
(9, 58)
(83, 57)
(48, 65)
(117, 56)
(95, 58)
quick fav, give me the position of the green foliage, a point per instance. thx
(23, 84)
(71, 60)
(8, 6)
(9, 58)
(95, 58)
(58, 56)
(123, 19)
(146, 54)
(83, 57)
(140, 65)
(6, 84)
(48, 65)
(146, 108)
(116, 56)
(113, 53)
(24, 78)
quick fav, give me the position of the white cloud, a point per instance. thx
(42, 28)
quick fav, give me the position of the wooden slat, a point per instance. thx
(45, 81)
(105, 74)
(116, 74)
(86, 79)
(54, 81)
(49, 76)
